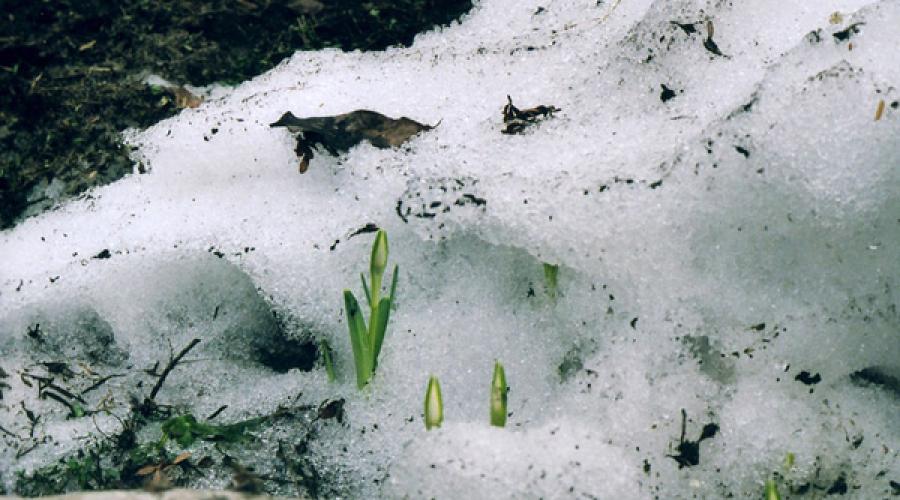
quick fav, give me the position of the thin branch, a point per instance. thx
(45, 383)
(100, 382)
(8, 433)
(165, 373)
(56, 397)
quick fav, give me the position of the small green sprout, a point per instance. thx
(551, 272)
(772, 490)
(326, 358)
(434, 405)
(498, 396)
(367, 340)
(789, 461)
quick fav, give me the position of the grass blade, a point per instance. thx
(326, 358)
(394, 285)
(362, 278)
(772, 490)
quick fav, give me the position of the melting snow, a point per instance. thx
(722, 223)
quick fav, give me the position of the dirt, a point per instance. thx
(72, 72)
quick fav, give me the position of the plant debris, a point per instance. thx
(708, 42)
(845, 34)
(688, 28)
(689, 451)
(337, 134)
(807, 378)
(517, 120)
(331, 408)
(666, 93)
(879, 110)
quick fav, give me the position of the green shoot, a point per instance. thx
(434, 405)
(772, 490)
(498, 396)
(789, 461)
(551, 272)
(378, 264)
(326, 358)
(367, 339)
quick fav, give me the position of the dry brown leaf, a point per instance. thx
(157, 482)
(184, 98)
(147, 470)
(339, 133)
(181, 458)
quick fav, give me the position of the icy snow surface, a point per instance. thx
(712, 247)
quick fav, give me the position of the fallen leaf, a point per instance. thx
(147, 470)
(87, 46)
(157, 482)
(181, 458)
(184, 98)
(337, 134)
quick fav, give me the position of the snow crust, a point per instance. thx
(711, 246)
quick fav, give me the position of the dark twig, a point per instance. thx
(45, 383)
(169, 367)
(74, 412)
(24, 451)
(8, 433)
(217, 412)
(100, 382)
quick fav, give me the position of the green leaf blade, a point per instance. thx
(392, 296)
(379, 322)
(358, 339)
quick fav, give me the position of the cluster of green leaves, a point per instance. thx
(99, 467)
(105, 465)
(367, 339)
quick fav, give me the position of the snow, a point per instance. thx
(711, 248)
